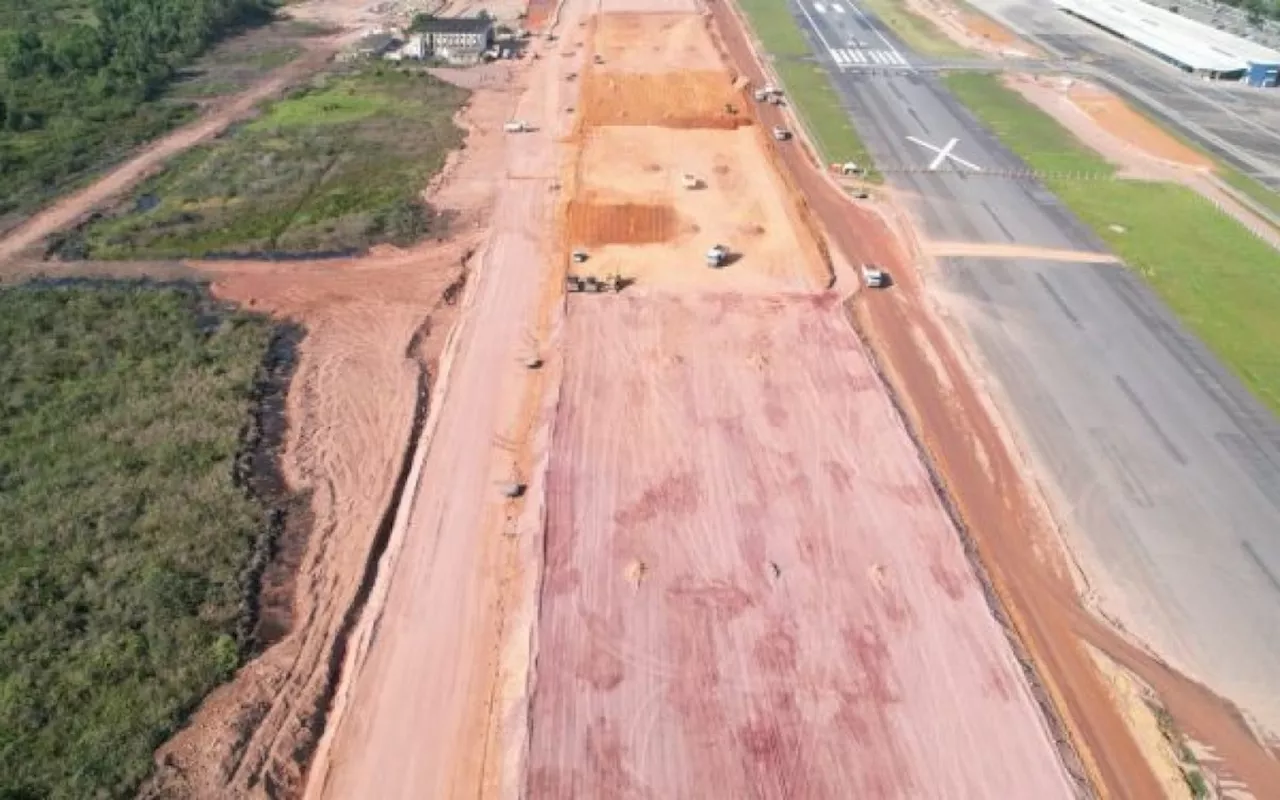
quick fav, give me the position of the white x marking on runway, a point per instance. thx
(945, 153)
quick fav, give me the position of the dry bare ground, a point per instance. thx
(750, 587)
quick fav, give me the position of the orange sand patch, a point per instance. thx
(691, 99)
(1117, 118)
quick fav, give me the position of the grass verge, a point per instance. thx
(807, 84)
(338, 166)
(125, 537)
(1212, 272)
(919, 33)
(1250, 188)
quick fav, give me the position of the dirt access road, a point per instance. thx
(73, 208)
(412, 716)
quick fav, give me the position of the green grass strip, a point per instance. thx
(1214, 274)
(919, 33)
(807, 84)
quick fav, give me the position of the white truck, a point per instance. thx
(780, 133)
(873, 277)
(517, 126)
(717, 255)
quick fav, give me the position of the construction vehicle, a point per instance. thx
(770, 94)
(579, 256)
(597, 58)
(690, 181)
(780, 133)
(517, 126)
(717, 256)
(873, 277)
(590, 284)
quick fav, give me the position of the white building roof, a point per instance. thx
(1199, 46)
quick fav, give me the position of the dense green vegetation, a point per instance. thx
(1215, 275)
(339, 165)
(124, 535)
(78, 77)
(808, 87)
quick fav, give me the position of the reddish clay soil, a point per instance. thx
(739, 202)
(670, 100)
(373, 332)
(594, 224)
(655, 43)
(1007, 523)
(419, 707)
(69, 210)
(751, 587)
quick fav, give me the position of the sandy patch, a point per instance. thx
(1117, 118)
(705, 99)
(655, 43)
(1133, 700)
(741, 203)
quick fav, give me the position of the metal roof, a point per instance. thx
(1186, 41)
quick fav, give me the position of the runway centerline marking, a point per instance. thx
(944, 153)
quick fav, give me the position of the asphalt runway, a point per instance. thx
(1162, 469)
(1239, 124)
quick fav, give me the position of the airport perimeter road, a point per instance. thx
(1163, 470)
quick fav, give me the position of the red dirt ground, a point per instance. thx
(751, 588)
(671, 100)
(1009, 525)
(594, 224)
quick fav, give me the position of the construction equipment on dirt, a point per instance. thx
(571, 77)
(690, 181)
(873, 277)
(850, 168)
(590, 284)
(860, 194)
(768, 94)
(579, 256)
(517, 126)
(512, 489)
(717, 256)
(730, 109)
(780, 133)
(597, 58)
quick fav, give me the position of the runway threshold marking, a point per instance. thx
(945, 153)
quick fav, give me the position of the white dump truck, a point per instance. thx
(780, 133)
(517, 126)
(690, 181)
(717, 255)
(873, 277)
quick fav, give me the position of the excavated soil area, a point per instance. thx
(595, 224)
(739, 202)
(693, 99)
(655, 43)
(751, 588)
